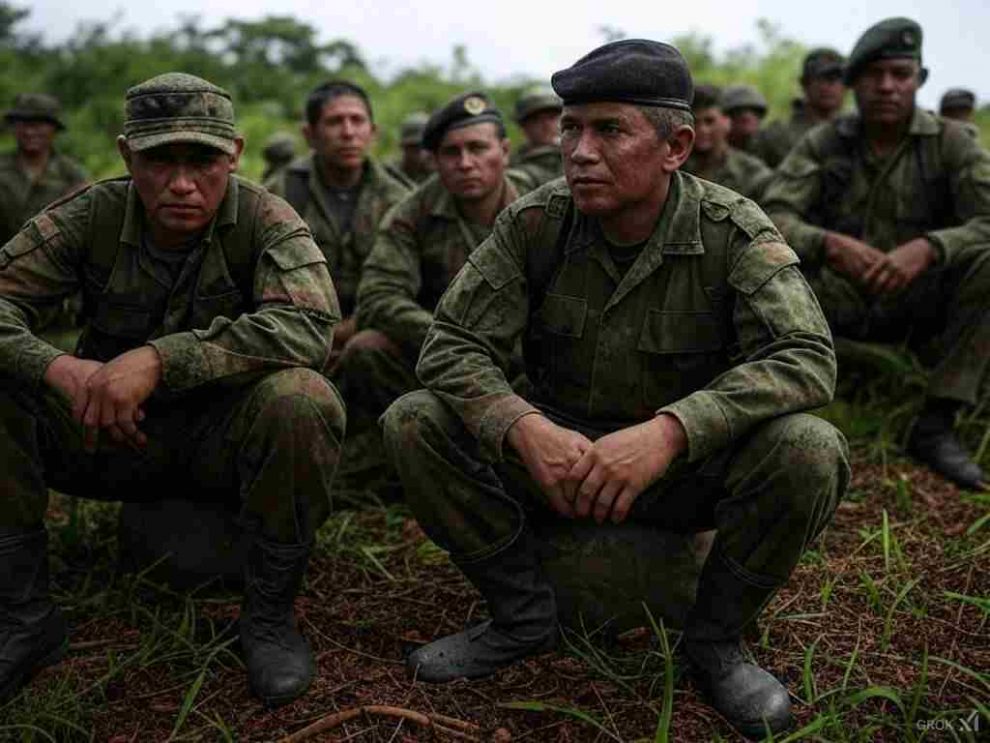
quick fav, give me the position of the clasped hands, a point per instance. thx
(603, 478)
(878, 272)
(108, 397)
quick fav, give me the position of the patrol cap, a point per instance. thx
(891, 38)
(467, 109)
(280, 147)
(411, 128)
(36, 107)
(176, 107)
(536, 99)
(822, 62)
(637, 71)
(736, 97)
(957, 98)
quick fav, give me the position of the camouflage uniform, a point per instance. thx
(739, 171)
(542, 163)
(21, 197)
(935, 185)
(712, 323)
(345, 253)
(773, 142)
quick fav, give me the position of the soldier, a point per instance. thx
(416, 164)
(670, 341)
(538, 115)
(745, 106)
(208, 312)
(422, 244)
(713, 158)
(339, 189)
(958, 104)
(279, 151)
(889, 209)
(821, 82)
(35, 174)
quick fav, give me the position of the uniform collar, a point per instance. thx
(130, 232)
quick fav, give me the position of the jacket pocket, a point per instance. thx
(680, 351)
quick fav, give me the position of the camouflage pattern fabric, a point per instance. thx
(542, 163)
(21, 196)
(773, 142)
(739, 171)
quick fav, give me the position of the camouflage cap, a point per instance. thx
(176, 107)
(36, 107)
(736, 97)
(957, 98)
(535, 99)
(467, 109)
(279, 147)
(822, 62)
(411, 128)
(891, 38)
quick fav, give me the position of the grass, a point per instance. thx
(881, 635)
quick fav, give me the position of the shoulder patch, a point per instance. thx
(759, 263)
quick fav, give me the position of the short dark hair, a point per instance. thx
(706, 96)
(666, 120)
(328, 91)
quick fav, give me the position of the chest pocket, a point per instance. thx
(563, 315)
(229, 304)
(560, 327)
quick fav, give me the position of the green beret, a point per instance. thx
(637, 71)
(176, 107)
(736, 97)
(536, 99)
(467, 109)
(822, 62)
(957, 98)
(411, 128)
(892, 38)
(36, 107)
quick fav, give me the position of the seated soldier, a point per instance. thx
(422, 244)
(415, 164)
(208, 313)
(746, 107)
(713, 158)
(671, 343)
(889, 209)
(538, 115)
(339, 189)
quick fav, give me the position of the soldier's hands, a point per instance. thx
(69, 375)
(549, 452)
(620, 466)
(900, 267)
(850, 257)
(116, 392)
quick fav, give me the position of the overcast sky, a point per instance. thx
(532, 38)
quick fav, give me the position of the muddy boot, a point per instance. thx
(933, 442)
(279, 661)
(749, 698)
(32, 629)
(524, 619)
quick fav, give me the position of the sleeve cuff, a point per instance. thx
(706, 426)
(939, 244)
(496, 422)
(33, 362)
(184, 363)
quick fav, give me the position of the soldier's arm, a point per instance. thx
(39, 267)
(969, 180)
(785, 361)
(478, 321)
(391, 281)
(291, 325)
(790, 197)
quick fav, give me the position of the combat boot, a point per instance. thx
(523, 619)
(32, 629)
(279, 660)
(749, 698)
(933, 442)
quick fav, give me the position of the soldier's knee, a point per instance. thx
(299, 402)
(365, 350)
(414, 418)
(809, 454)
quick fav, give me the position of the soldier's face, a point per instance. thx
(542, 128)
(711, 128)
(344, 132)
(180, 186)
(34, 137)
(614, 159)
(885, 90)
(471, 161)
(825, 93)
(745, 124)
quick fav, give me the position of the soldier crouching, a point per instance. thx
(208, 312)
(671, 343)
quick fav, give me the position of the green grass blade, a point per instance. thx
(662, 734)
(534, 706)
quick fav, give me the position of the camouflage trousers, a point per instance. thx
(944, 317)
(270, 446)
(769, 495)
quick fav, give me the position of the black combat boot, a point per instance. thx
(524, 619)
(32, 629)
(752, 700)
(933, 442)
(279, 661)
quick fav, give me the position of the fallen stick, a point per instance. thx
(338, 718)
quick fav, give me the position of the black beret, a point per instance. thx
(957, 98)
(891, 38)
(638, 71)
(466, 109)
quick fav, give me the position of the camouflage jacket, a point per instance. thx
(345, 253)
(422, 244)
(542, 163)
(776, 140)
(713, 322)
(739, 171)
(254, 294)
(935, 185)
(21, 198)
